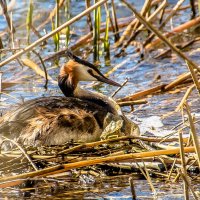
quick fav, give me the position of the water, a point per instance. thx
(141, 75)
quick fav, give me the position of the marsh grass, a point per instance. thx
(29, 20)
(96, 35)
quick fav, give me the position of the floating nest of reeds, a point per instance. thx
(48, 170)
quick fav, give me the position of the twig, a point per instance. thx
(44, 67)
(122, 85)
(131, 103)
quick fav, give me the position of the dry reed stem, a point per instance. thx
(66, 167)
(51, 15)
(193, 133)
(90, 145)
(6, 15)
(166, 41)
(185, 97)
(141, 27)
(142, 94)
(22, 150)
(31, 46)
(182, 155)
(94, 144)
(194, 76)
(131, 183)
(118, 89)
(149, 180)
(187, 181)
(28, 175)
(131, 103)
(178, 81)
(129, 28)
(178, 29)
(146, 175)
(30, 63)
(172, 13)
(44, 68)
(172, 168)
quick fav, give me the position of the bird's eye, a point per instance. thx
(90, 71)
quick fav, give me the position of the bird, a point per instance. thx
(80, 115)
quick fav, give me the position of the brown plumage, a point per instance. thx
(79, 116)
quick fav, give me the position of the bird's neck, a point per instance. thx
(67, 84)
(99, 99)
(70, 88)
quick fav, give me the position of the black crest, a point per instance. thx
(81, 61)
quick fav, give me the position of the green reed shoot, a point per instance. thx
(56, 37)
(96, 31)
(29, 20)
(67, 13)
(106, 43)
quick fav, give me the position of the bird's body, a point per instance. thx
(79, 116)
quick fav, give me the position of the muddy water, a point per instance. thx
(141, 74)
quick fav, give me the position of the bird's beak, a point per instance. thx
(106, 80)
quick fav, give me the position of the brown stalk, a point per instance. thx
(132, 103)
(185, 97)
(114, 16)
(172, 168)
(89, 18)
(176, 30)
(182, 154)
(44, 68)
(178, 81)
(187, 181)
(131, 183)
(193, 133)
(194, 76)
(51, 15)
(108, 159)
(141, 27)
(172, 13)
(142, 94)
(5, 13)
(134, 24)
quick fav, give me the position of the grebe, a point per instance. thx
(79, 116)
